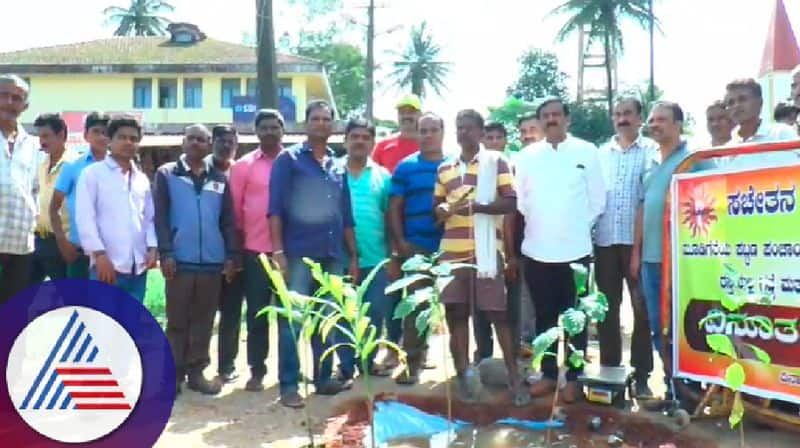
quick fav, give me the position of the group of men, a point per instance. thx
(518, 220)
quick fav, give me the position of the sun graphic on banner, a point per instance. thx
(698, 211)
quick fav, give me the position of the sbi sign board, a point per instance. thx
(245, 107)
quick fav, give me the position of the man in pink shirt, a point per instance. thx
(250, 190)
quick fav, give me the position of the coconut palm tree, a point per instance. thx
(419, 65)
(141, 18)
(601, 19)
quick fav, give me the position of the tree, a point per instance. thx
(345, 65)
(508, 115)
(539, 77)
(602, 20)
(591, 122)
(141, 18)
(419, 66)
(642, 93)
(266, 57)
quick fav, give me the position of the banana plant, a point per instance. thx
(302, 315)
(436, 275)
(592, 307)
(725, 345)
(348, 314)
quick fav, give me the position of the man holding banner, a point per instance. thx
(665, 123)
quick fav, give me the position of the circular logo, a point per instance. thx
(86, 365)
(74, 374)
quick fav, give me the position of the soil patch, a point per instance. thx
(349, 426)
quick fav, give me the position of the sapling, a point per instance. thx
(592, 307)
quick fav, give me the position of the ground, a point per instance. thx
(237, 418)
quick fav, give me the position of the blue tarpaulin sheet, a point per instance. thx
(394, 420)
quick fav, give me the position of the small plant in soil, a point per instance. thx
(436, 275)
(592, 307)
(734, 348)
(302, 315)
(348, 314)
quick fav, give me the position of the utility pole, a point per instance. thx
(652, 86)
(266, 60)
(370, 58)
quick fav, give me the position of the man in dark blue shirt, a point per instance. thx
(412, 222)
(310, 216)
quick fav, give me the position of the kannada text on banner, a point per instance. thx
(738, 234)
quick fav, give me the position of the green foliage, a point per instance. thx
(737, 410)
(509, 114)
(419, 66)
(591, 122)
(576, 359)
(734, 376)
(140, 18)
(424, 268)
(760, 354)
(595, 306)
(601, 19)
(539, 77)
(345, 65)
(542, 343)
(573, 321)
(721, 344)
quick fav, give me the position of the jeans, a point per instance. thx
(300, 281)
(135, 285)
(381, 313)
(258, 293)
(46, 261)
(651, 288)
(230, 324)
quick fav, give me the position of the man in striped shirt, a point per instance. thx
(456, 204)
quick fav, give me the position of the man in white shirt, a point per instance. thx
(624, 159)
(719, 123)
(743, 98)
(115, 213)
(19, 159)
(795, 92)
(561, 193)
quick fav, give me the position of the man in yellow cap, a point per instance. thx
(388, 153)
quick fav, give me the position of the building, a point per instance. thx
(169, 81)
(781, 55)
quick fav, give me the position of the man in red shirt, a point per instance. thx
(388, 153)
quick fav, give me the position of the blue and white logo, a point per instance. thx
(74, 374)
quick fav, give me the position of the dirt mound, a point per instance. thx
(349, 426)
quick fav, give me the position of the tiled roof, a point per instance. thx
(142, 50)
(781, 52)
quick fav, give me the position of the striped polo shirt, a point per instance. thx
(453, 182)
(369, 195)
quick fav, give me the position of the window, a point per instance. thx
(142, 93)
(167, 93)
(284, 88)
(192, 93)
(230, 89)
(252, 87)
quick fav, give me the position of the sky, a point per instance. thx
(704, 43)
